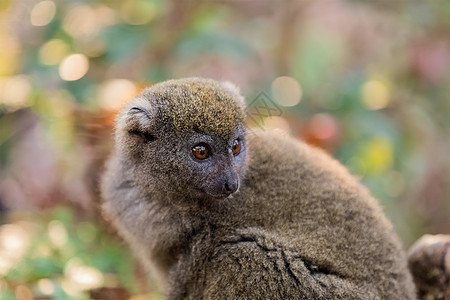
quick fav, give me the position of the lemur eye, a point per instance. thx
(201, 151)
(236, 147)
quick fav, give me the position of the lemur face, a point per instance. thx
(190, 136)
(217, 165)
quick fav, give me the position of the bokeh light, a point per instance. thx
(84, 21)
(13, 239)
(43, 13)
(11, 49)
(286, 91)
(71, 289)
(53, 52)
(378, 154)
(73, 67)
(82, 277)
(323, 126)
(375, 94)
(137, 12)
(57, 233)
(14, 243)
(15, 91)
(46, 286)
(114, 93)
(22, 292)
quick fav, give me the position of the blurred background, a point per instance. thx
(368, 81)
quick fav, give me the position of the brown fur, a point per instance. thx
(299, 227)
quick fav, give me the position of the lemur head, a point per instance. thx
(186, 136)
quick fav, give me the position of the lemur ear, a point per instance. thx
(140, 120)
(233, 89)
(139, 109)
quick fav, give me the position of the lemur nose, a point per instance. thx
(230, 187)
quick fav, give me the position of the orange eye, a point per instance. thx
(201, 152)
(236, 148)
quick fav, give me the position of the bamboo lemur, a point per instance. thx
(216, 212)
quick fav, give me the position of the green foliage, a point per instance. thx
(54, 240)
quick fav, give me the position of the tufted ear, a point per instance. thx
(139, 109)
(137, 120)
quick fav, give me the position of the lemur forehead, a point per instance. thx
(199, 105)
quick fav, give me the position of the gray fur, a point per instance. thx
(299, 227)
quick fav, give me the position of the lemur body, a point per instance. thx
(215, 212)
